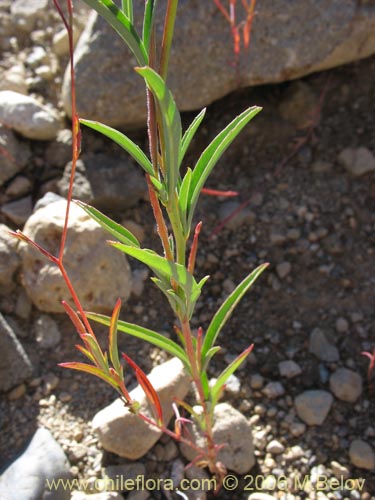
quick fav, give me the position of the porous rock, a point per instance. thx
(15, 366)
(290, 38)
(124, 433)
(15, 154)
(27, 116)
(99, 273)
(313, 406)
(233, 430)
(43, 461)
(9, 260)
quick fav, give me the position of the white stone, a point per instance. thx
(99, 273)
(124, 433)
(15, 79)
(362, 455)
(233, 430)
(275, 447)
(313, 406)
(346, 385)
(357, 162)
(28, 117)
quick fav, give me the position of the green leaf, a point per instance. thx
(122, 140)
(113, 352)
(148, 22)
(94, 348)
(161, 266)
(115, 229)
(210, 354)
(122, 25)
(171, 125)
(183, 198)
(189, 134)
(127, 7)
(212, 154)
(150, 336)
(226, 309)
(229, 370)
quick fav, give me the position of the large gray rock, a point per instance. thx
(28, 477)
(15, 366)
(232, 430)
(107, 182)
(99, 273)
(14, 154)
(9, 260)
(124, 433)
(290, 38)
(28, 117)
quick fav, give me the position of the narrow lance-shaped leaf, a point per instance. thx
(146, 385)
(74, 318)
(115, 229)
(148, 22)
(226, 309)
(123, 141)
(183, 199)
(171, 125)
(212, 154)
(162, 267)
(122, 25)
(189, 134)
(229, 370)
(113, 352)
(92, 370)
(93, 346)
(140, 332)
(86, 353)
(127, 7)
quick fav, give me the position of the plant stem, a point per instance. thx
(174, 217)
(208, 431)
(170, 18)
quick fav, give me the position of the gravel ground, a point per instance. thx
(301, 208)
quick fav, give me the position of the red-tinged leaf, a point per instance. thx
(217, 192)
(118, 376)
(74, 318)
(22, 237)
(146, 385)
(92, 370)
(113, 352)
(194, 248)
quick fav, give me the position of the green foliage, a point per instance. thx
(174, 198)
